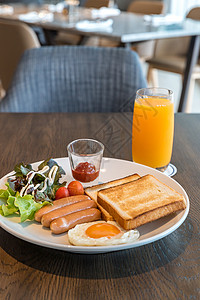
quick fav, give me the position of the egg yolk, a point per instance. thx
(97, 231)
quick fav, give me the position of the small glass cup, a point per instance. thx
(85, 156)
(153, 127)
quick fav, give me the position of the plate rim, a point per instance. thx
(101, 249)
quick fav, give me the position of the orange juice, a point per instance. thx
(152, 131)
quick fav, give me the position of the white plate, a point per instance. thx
(33, 232)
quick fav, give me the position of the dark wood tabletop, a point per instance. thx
(166, 269)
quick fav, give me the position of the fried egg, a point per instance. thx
(101, 233)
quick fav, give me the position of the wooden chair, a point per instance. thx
(170, 55)
(15, 37)
(146, 7)
(96, 3)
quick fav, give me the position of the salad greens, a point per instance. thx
(28, 190)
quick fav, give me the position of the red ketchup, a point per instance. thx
(85, 172)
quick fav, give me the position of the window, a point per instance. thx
(180, 7)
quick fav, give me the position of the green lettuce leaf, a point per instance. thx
(51, 163)
(27, 206)
(4, 194)
(9, 208)
(10, 190)
(22, 170)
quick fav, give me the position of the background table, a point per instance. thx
(166, 269)
(128, 28)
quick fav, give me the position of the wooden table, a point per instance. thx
(127, 29)
(166, 269)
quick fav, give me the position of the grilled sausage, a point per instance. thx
(66, 210)
(58, 204)
(63, 224)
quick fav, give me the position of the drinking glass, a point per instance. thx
(85, 157)
(153, 127)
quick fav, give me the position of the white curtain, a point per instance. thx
(180, 7)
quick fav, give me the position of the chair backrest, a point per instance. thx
(146, 7)
(194, 13)
(96, 3)
(15, 37)
(176, 46)
(75, 79)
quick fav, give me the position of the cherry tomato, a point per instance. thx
(75, 188)
(62, 192)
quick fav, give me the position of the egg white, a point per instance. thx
(78, 237)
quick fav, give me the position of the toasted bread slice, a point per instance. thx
(92, 192)
(141, 201)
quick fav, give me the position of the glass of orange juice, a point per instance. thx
(153, 127)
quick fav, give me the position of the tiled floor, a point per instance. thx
(173, 82)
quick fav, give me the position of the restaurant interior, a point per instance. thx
(99, 149)
(162, 60)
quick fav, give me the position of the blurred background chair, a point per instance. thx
(96, 3)
(146, 7)
(124, 4)
(170, 55)
(144, 49)
(74, 79)
(15, 38)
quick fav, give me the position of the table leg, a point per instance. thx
(40, 34)
(128, 45)
(50, 36)
(83, 40)
(125, 45)
(192, 57)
